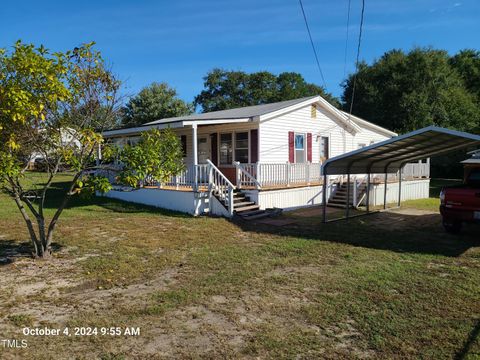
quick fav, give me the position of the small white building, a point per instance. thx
(249, 159)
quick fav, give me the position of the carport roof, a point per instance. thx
(389, 155)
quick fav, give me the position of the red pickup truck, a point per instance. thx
(460, 204)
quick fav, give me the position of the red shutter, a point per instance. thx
(291, 146)
(253, 146)
(309, 147)
(214, 148)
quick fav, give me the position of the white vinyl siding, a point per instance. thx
(273, 135)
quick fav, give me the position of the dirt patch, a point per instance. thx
(53, 291)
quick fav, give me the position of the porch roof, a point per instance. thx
(389, 155)
(173, 125)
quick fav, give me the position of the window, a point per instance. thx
(474, 177)
(241, 147)
(299, 148)
(226, 149)
(324, 147)
(313, 112)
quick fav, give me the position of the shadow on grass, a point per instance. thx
(57, 191)
(422, 234)
(472, 338)
(11, 250)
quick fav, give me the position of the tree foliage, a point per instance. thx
(49, 108)
(154, 102)
(406, 91)
(157, 156)
(467, 64)
(230, 89)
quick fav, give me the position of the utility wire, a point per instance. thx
(358, 56)
(313, 46)
(346, 41)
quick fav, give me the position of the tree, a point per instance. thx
(158, 156)
(44, 95)
(404, 92)
(229, 89)
(467, 64)
(154, 102)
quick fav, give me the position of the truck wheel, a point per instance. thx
(452, 227)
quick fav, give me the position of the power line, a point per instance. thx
(346, 41)
(313, 46)
(358, 56)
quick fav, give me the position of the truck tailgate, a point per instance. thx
(466, 198)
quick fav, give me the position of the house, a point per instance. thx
(68, 138)
(253, 158)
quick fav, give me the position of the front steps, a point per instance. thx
(339, 198)
(247, 209)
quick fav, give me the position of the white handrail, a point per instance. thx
(356, 201)
(245, 177)
(219, 183)
(220, 173)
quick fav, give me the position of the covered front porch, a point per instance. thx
(224, 171)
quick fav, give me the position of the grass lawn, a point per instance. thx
(390, 285)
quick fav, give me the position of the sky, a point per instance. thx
(178, 42)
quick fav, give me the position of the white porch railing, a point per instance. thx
(260, 175)
(246, 175)
(264, 175)
(416, 170)
(185, 179)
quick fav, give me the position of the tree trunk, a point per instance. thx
(53, 222)
(45, 245)
(37, 245)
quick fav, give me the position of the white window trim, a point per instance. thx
(219, 145)
(328, 136)
(234, 141)
(304, 147)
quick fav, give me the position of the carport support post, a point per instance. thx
(347, 211)
(385, 192)
(324, 197)
(195, 156)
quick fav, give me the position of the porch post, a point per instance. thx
(287, 170)
(99, 155)
(195, 155)
(258, 174)
(347, 203)
(308, 173)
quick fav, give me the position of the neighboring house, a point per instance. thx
(248, 159)
(69, 138)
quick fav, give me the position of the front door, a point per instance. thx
(203, 149)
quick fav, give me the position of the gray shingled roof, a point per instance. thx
(238, 113)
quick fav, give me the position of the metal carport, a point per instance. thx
(391, 155)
